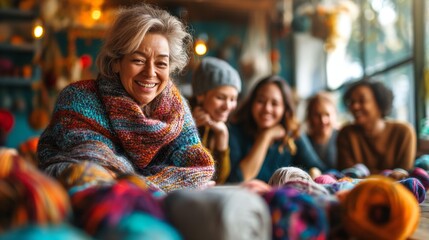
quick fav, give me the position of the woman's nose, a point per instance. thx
(149, 69)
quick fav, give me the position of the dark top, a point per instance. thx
(240, 144)
(327, 152)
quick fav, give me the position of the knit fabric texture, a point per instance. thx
(97, 120)
(212, 73)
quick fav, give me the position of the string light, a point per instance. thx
(96, 14)
(38, 29)
(200, 47)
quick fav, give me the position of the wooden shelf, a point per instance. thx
(16, 14)
(22, 48)
(15, 81)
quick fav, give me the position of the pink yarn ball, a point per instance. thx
(421, 175)
(325, 179)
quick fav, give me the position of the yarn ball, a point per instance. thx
(349, 179)
(422, 162)
(295, 215)
(309, 187)
(336, 187)
(7, 120)
(333, 210)
(84, 173)
(386, 172)
(379, 208)
(49, 232)
(100, 207)
(28, 150)
(398, 174)
(224, 212)
(325, 179)
(287, 174)
(10, 161)
(422, 175)
(416, 188)
(334, 173)
(140, 225)
(357, 171)
(28, 195)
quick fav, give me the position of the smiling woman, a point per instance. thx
(215, 89)
(131, 119)
(265, 134)
(145, 72)
(365, 141)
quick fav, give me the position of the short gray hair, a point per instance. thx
(129, 29)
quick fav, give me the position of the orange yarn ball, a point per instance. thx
(380, 208)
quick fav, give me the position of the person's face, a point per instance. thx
(322, 118)
(268, 107)
(220, 102)
(145, 72)
(363, 106)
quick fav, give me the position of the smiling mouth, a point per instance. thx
(146, 85)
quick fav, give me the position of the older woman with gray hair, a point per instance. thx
(132, 118)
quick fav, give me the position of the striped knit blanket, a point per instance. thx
(97, 120)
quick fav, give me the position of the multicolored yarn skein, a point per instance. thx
(27, 195)
(415, 187)
(380, 208)
(84, 173)
(143, 183)
(422, 175)
(100, 207)
(296, 215)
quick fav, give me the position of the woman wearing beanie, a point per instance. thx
(264, 134)
(132, 119)
(215, 86)
(372, 140)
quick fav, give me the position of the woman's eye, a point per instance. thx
(138, 61)
(162, 64)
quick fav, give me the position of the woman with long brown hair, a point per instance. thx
(265, 136)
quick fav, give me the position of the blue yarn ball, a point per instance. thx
(416, 187)
(422, 162)
(50, 232)
(139, 225)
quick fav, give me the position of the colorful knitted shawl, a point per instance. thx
(97, 120)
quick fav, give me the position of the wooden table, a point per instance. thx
(422, 232)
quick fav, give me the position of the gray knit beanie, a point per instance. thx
(212, 73)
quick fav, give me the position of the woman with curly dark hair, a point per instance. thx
(371, 139)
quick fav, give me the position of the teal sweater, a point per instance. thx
(240, 144)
